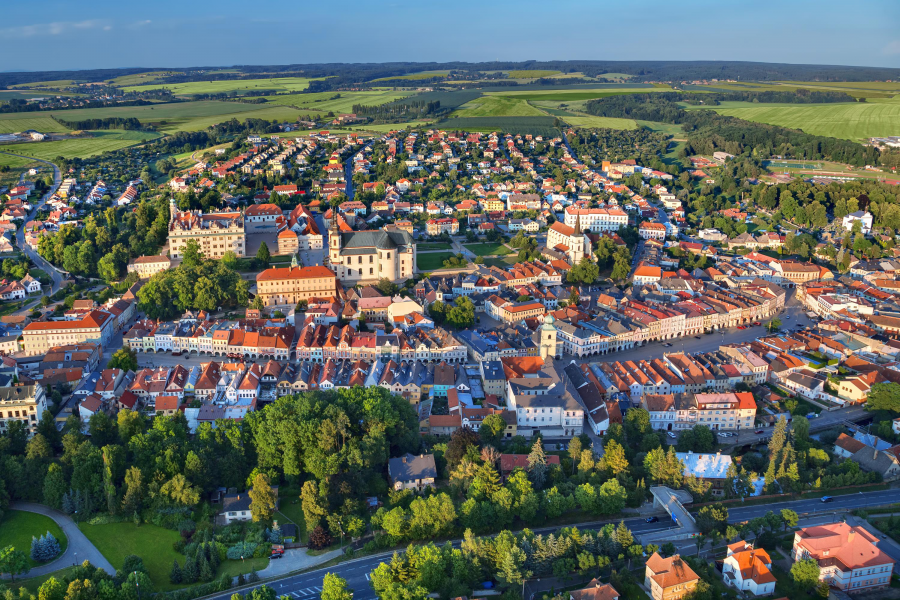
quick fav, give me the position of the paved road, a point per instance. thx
(357, 572)
(79, 548)
(55, 275)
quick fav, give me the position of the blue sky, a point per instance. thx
(83, 34)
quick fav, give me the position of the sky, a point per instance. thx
(86, 34)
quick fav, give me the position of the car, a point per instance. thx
(652, 520)
(741, 327)
(275, 555)
(671, 435)
(787, 316)
(667, 345)
(827, 499)
(697, 337)
(759, 432)
(176, 353)
(757, 324)
(723, 434)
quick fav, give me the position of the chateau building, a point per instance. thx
(289, 285)
(216, 232)
(368, 256)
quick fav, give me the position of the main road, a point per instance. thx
(357, 572)
(55, 275)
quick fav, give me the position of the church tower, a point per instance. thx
(548, 337)
(334, 243)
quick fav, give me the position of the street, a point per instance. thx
(357, 572)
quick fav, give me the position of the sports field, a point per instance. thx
(343, 103)
(497, 106)
(852, 121)
(24, 123)
(280, 84)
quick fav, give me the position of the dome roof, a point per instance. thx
(549, 320)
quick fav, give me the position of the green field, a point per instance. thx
(672, 129)
(515, 125)
(76, 148)
(18, 527)
(152, 113)
(279, 84)
(427, 246)
(530, 74)
(852, 121)
(279, 113)
(56, 83)
(139, 78)
(42, 124)
(568, 95)
(488, 249)
(497, 106)
(326, 101)
(432, 261)
(604, 122)
(615, 76)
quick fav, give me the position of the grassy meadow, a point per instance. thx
(26, 121)
(18, 527)
(497, 106)
(324, 102)
(278, 84)
(78, 147)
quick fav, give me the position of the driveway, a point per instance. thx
(79, 548)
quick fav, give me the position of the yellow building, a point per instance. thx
(367, 256)
(25, 403)
(289, 285)
(216, 233)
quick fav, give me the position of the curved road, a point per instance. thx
(55, 275)
(78, 550)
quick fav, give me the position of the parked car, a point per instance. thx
(176, 353)
(670, 434)
(652, 519)
(697, 337)
(757, 324)
(742, 327)
(275, 555)
(667, 345)
(759, 431)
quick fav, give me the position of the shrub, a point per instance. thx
(245, 549)
(319, 538)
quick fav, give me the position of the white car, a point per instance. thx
(670, 434)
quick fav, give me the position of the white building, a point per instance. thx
(748, 569)
(863, 217)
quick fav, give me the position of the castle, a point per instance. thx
(368, 256)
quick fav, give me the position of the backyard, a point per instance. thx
(18, 527)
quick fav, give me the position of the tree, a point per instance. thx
(614, 459)
(712, 518)
(492, 428)
(537, 464)
(175, 573)
(54, 486)
(789, 518)
(586, 272)
(621, 264)
(773, 324)
(319, 538)
(884, 396)
(52, 589)
(262, 499)
(334, 587)
(124, 358)
(13, 562)
(311, 503)
(806, 573)
(263, 255)
(386, 287)
(191, 256)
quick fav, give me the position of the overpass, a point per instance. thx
(673, 501)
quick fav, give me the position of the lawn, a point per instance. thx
(280, 84)
(432, 260)
(291, 511)
(18, 527)
(433, 246)
(497, 106)
(42, 124)
(506, 261)
(488, 249)
(852, 121)
(153, 544)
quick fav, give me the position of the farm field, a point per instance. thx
(325, 101)
(18, 527)
(153, 113)
(672, 129)
(603, 122)
(515, 125)
(383, 127)
(138, 78)
(497, 106)
(432, 260)
(73, 148)
(530, 73)
(414, 76)
(849, 121)
(23, 123)
(567, 95)
(281, 84)
(280, 113)
(56, 83)
(488, 249)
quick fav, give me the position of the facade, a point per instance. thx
(652, 231)
(289, 285)
(96, 326)
(849, 557)
(596, 219)
(863, 217)
(544, 399)
(216, 233)
(748, 569)
(25, 403)
(669, 578)
(148, 266)
(368, 256)
(439, 226)
(568, 240)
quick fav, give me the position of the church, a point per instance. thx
(569, 241)
(360, 257)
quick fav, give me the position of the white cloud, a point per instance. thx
(892, 48)
(139, 24)
(54, 28)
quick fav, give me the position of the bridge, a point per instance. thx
(673, 501)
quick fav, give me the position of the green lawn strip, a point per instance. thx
(33, 583)
(18, 527)
(487, 249)
(233, 568)
(433, 246)
(502, 262)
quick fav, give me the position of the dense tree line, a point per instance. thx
(131, 123)
(799, 96)
(709, 132)
(405, 111)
